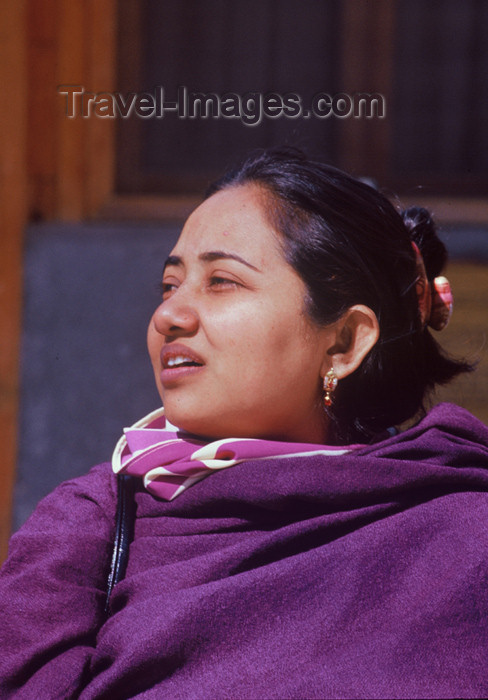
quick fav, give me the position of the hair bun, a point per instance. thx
(423, 231)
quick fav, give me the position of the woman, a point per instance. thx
(327, 554)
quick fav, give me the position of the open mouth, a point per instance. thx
(179, 361)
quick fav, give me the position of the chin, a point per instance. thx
(214, 428)
(189, 421)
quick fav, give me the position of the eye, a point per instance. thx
(166, 289)
(223, 282)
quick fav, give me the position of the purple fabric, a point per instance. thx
(363, 576)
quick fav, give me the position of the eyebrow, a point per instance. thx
(209, 256)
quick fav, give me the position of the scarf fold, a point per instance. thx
(170, 460)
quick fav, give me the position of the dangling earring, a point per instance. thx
(330, 383)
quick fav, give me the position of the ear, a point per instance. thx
(357, 331)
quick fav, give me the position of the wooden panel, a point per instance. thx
(73, 33)
(367, 62)
(99, 151)
(254, 46)
(41, 31)
(71, 161)
(441, 91)
(149, 208)
(13, 200)
(129, 54)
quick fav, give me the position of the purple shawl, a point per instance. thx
(355, 576)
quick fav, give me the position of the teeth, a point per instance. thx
(178, 360)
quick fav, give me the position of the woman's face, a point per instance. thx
(234, 354)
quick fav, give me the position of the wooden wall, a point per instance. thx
(70, 161)
(51, 167)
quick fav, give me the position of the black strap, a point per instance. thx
(124, 530)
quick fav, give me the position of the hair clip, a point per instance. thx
(435, 299)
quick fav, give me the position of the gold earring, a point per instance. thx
(330, 384)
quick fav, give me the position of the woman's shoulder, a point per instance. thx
(88, 502)
(444, 422)
(450, 426)
(98, 487)
(447, 444)
(452, 416)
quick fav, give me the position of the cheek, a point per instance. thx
(262, 340)
(242, 330)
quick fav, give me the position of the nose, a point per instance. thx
(176, 317)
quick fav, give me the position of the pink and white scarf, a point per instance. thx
(170, 460)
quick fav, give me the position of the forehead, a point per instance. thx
(233, 220)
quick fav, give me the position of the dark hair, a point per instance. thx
(350, 246)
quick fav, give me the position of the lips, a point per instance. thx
(178, 361)
(177, 355)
